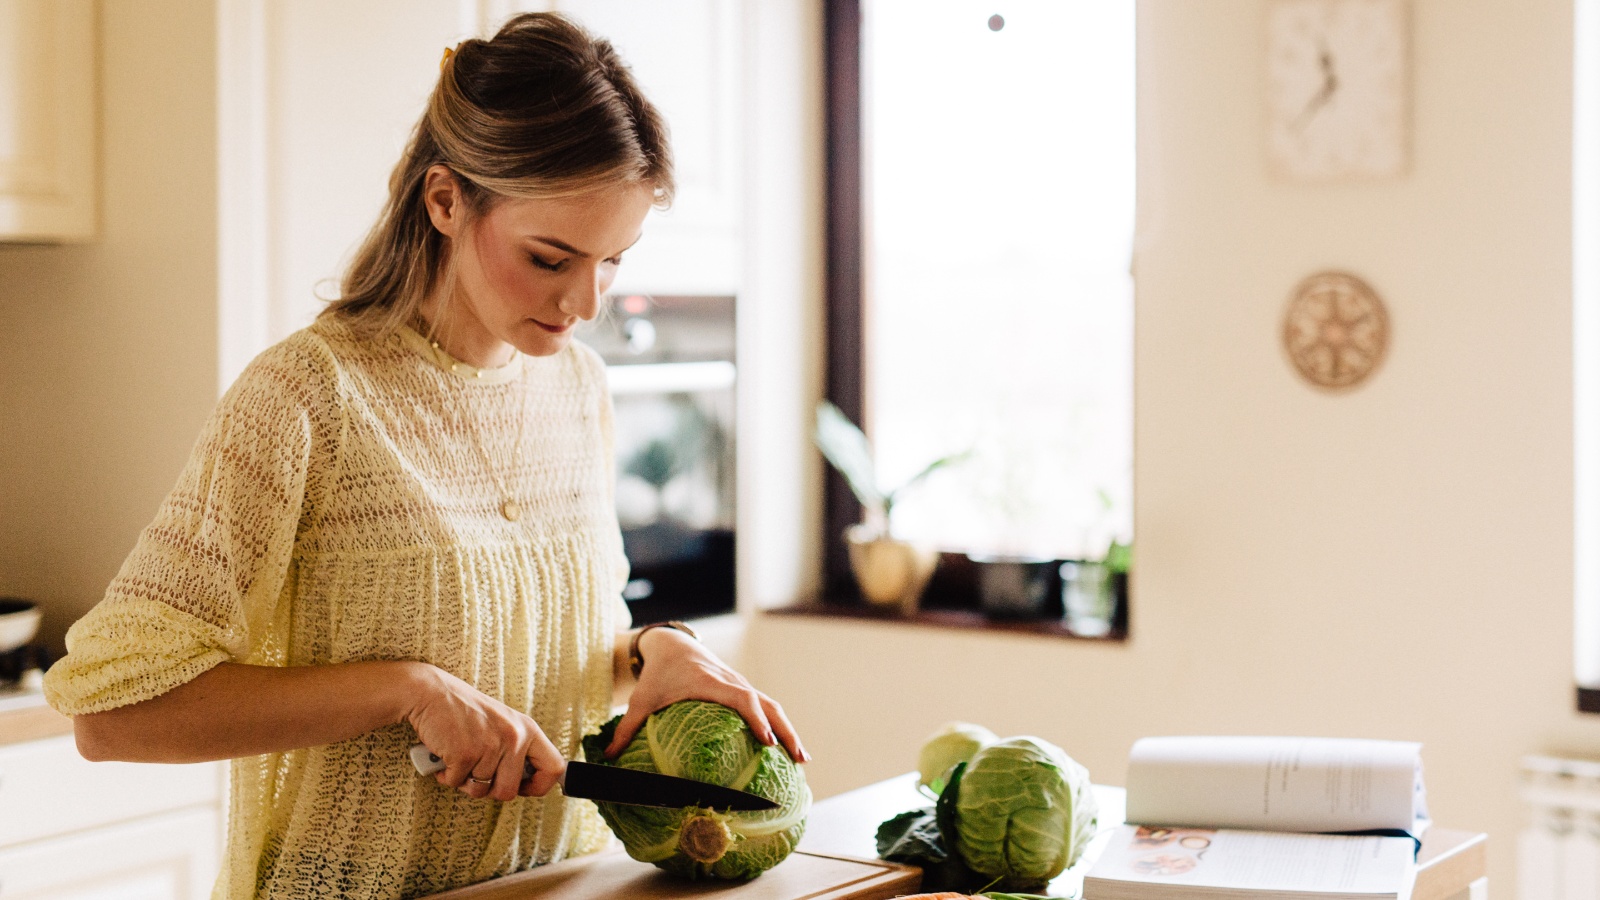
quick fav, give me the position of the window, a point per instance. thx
(980, 235)
(1586, 352)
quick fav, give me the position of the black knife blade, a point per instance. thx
(613, 784)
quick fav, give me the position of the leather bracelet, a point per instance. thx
(635, 661)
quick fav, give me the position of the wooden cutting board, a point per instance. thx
(612, 874)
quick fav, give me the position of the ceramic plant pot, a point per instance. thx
(889, 572)
(19, 622)
(1014, 587)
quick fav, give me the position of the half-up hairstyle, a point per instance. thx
(542, 110)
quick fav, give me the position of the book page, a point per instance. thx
(1255, 861)
(1276, 783)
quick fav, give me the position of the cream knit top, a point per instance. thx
(342, 504)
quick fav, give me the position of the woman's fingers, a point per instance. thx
(787, 736)
(508, 776)
(456, 772)
(480, 775)
(735, 693)
(747, 703)
(767, 720)
(501, 773)
(478, 786)
(632, 721)
(484, 743)
(685, 670)
(549, 766)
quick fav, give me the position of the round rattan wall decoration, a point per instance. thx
(1335, 330)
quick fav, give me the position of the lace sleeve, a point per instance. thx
(204, 584)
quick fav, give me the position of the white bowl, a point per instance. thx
(19, 622)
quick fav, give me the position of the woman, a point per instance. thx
(398, 523)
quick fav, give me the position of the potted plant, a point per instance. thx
(1016, 567)
(1094, 592)
(889, 571)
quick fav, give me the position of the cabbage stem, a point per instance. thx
(704, 838)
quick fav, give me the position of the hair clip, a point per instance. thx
(448, 52)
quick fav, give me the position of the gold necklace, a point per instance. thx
(509, 507)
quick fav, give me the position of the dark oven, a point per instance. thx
(670, 362)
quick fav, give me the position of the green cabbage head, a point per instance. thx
(1024, 811)
(954, 742)
(711, 743)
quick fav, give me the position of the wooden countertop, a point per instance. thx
(611, 873)
(847, 824)
(841, 833)
(25, 717)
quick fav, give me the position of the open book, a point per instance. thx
(1248, 818)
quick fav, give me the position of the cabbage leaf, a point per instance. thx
(710, 743)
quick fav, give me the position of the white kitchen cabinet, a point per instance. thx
(302, 179)
(73, 830)
(165, 857)
(685, 54)
(47, 116)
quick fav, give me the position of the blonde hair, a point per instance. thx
(542, 110)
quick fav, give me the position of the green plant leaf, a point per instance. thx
(594, 745)
(912, 838)
(846, 448)
(927, 470)
(1119, 557)
(945, 808)
(656, 463)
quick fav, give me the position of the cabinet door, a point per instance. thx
(169, 857)
(46, 120)
(46, 789)
(686, 56)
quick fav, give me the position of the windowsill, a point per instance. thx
(1588, 699)
(963, 619)
(952, 599)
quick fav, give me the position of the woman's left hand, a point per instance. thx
(679, 667)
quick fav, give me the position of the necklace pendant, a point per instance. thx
(511, 509)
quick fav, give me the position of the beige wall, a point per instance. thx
(1394, 563)
(110, 358)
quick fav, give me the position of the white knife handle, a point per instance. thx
(427, 764)
(424, 760)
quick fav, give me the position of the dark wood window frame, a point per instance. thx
(1588, 699)
(845, 368)
(845, 382)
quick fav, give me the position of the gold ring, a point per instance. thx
(476, 780)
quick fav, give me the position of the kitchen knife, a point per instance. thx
(613, 784)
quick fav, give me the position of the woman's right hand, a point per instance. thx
(482, 741)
